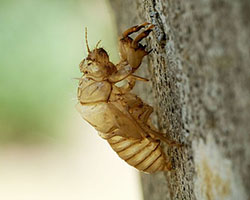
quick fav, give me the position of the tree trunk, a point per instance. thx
(200, 88)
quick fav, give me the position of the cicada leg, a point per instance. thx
(134, 29)
(142, 114)
(142, 35)
(131, 50)
(162, 137)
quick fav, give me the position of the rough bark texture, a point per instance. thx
(200, 88)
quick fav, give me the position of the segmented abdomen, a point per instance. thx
(143, 154)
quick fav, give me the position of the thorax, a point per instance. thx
(91, 91)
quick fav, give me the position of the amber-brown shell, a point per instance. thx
(120, 116)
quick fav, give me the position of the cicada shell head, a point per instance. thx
(96, 65)
(98, 55)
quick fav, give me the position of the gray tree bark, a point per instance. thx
(200, 74)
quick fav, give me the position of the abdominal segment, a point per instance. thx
(143, 154)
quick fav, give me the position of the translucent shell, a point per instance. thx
(119, 116)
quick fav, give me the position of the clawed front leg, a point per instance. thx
(142, 35)
(134, 29)
(131, 50)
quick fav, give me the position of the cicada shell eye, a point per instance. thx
(93, 70)
(86, 66)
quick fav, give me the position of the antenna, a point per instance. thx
(86, 39)
(98, 44)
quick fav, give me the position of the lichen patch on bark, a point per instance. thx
(214, 174)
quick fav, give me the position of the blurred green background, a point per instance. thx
(41, 46)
